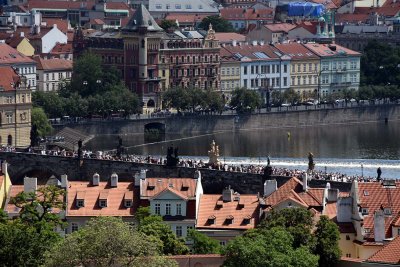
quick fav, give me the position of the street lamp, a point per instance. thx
(362, 171)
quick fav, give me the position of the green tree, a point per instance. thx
(177, 98)
(297, 221)
(168, 24)
(245, 100)
(203, 244)
(106, 241)
(36, 207)
(327, 247)
(291, 96)
(214, 100)
(40, 120)
(218, 23)
(23, 245)
(51, 102)
(272, 247)
(154, 226)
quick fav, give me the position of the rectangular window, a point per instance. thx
(325, 66)
(158, 6)
(74, 227)
(285, 81)
(80, 203)
(128, 203)
(9, 118)
(278, 68)
(245, 83)
(178, 209)
(47, 76)
(168, 209)
(157, 208)
(103, 203)
(53, 76)
(285, 68)
(188, 6)
(252, 69)
(245, 70)
(178, 231)
(178, 6)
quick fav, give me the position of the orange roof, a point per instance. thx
(53, 64)
(266, 14)
(296, 51)
(212, 206)
(293, 189)
(114, 195)
(185, 18)
(250, 50)
(62, 24)
(87, 5)
(387, 11)
(183, 187)
(351, 18)
(62, 49)
(330, 210)
(310, 26)
(324, 50)
(8, 78)
(389, 254)
(9, 55)
(375, 196)
(280, 27)
(15, 189)
(224, 37)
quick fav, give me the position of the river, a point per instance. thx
(357, 149)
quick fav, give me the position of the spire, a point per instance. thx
(142, 20)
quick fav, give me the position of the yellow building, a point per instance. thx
(22, 45)
(5, 185)
(15, 109)
(304, 69)
(230, 73)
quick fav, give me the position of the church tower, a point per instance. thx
(142, 39)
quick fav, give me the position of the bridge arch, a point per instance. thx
(42, 173)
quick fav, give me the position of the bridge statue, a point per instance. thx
(311, 164)
(172, 156)
(267, 170)
(213, 154)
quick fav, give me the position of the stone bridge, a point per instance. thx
(44, 166)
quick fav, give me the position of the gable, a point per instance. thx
(167, 195)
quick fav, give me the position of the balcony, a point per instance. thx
(153, 79)
(343, 84)
(341, 70)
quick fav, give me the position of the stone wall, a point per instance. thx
(208, 124)
(43, 166)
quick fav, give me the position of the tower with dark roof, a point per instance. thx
(142, 38)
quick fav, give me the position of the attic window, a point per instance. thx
(366, 193)
(80, 199)
(229, 219)
(364, 211)
(219, 204)
(150, 186)
(387, 211)
(80, 203)
(367, 230)
(185, 187)
(211, 220)
(128, 203)
(247, 219)
(103, 203)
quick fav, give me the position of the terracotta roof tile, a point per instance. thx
(330, 210)
(9, 55)
(345, 227)
(324, 50)
(266, 14)
(351, 18)
(250, 50)
(88, 5)
(280, 27)
(246, 207)
(151, 187)
(387, 11)
(53, 64)
(185, 18)
(62, 49)
(62, 24)
(224, 37)
(389, 254)
(296, 51)
(8, 78)
(91, 194)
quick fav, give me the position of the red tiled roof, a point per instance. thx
(15, 189)
(389, 254)
(53, 64)
(327, 3)
(14, 41)
(185, 18)
(293, 189)
(9, 55)
(249, 50)
(266, 14)
(351, 18)
(387, 11)
(345, 227)
(296, 51)
(374, 195)
(183, 187)
(330, 210)
(324, 50)
(88, 5)
(280, 27)
(224, 37)
(115, 199)
(62, 24)
(246, 207)
(310, 26)
(62, 49)
(8, 78)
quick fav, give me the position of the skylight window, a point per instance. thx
(238, 55)
(260, 55)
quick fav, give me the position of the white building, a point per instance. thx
(23, 64)
(175, 199)
(20, 19)
(52, 72)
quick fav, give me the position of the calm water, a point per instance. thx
(338, 148)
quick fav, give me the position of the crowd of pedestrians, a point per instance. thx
(199, 164)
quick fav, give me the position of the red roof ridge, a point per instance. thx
(172, 190)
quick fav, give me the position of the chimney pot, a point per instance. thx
(30, 185)
(114, 180)
(96, 179)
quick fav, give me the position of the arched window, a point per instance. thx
(9, 140)
(150, 103)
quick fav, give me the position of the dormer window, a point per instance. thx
(128, 199)
(103, 203)
(364, 211)
(229, 219)
(247, 220)
(128, 203)
(387, 211)
(211, 220)
(80, 203)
